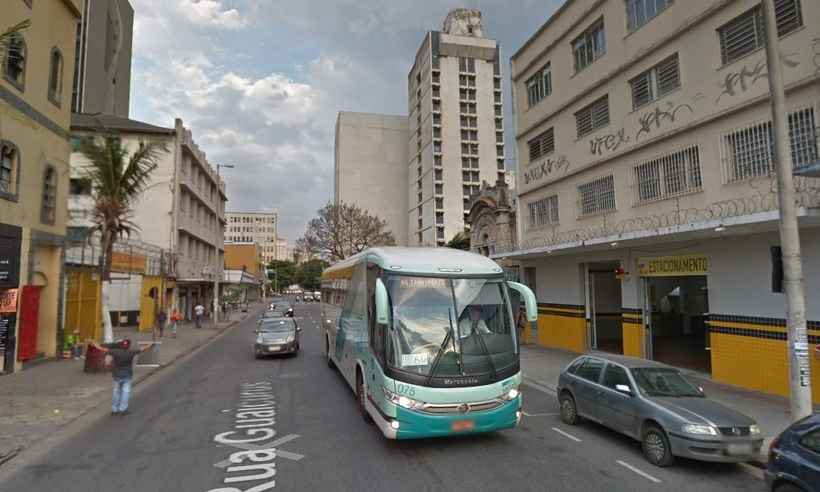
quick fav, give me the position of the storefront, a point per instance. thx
(10, 239)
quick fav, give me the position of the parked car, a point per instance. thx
(656, 405)
(276, 336)
(794, 458)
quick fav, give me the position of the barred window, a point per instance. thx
(48, 210)
(544, 211)
(597, 196)
(539, 85)
(669, 175)
(592, 117)
(14, 65)
(9, 170)
(656, 82)
(745, 33)
(589, 46)
(639, 12)
(543, 144)
(748, 152)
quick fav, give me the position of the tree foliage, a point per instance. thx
(285, 274)
(309, 274)
(342, 230)
(460, 241)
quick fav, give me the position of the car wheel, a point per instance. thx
(360, 395)
(569, 411)
(655, 446)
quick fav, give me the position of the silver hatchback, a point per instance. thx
(655, 404)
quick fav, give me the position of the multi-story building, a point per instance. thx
(284, 252)
(254, 227)
(647, 199)
(371, 167)
(102, 75)
(456, 126)
(244, 271)
(182, 210)
(35, 115)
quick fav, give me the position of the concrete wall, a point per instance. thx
(371, 166)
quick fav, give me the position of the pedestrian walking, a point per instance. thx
(522, 322)
(122, 371)
(176, 317)
(161, 318)
(199, 311)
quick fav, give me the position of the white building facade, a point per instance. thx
(456, 127)
(254, 227)
(647, 207)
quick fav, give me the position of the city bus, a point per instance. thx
(427, 340)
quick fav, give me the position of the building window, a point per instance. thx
(79, 187)
(543, 144)
(589, 46)
(14, 67)
(656, 82)
(9, 170)
(539, 85)
(544, 212)
(55, 77)
(48, 210)
(669, 175)
(749, 152)
(466, 65)
(639, 12)
(592, 117)
(597, 196)
(745, 33)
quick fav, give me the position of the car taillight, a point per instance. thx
(774, 445)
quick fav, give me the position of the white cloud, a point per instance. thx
(210, 13)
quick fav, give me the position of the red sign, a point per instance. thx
(8, 301)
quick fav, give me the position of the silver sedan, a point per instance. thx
(658, 406)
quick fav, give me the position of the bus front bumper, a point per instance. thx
(410, 424)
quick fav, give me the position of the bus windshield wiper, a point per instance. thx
(486, 351)
(444, 343)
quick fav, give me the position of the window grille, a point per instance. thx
(544, 211)
(597, 196)
(745, 33)
(592, 117)
(748, 152)
(656, 82)
(543, 144)
(667, 176)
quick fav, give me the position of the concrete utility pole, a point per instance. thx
(797, 340)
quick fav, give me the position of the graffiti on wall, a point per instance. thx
(739, 81)
(547, 168)
(608, 143)
(652, 120)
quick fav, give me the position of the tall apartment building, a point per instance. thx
(648, 212)
(35, 85)
(456, 126)
(102, 75)
(370, 168)
(182, 209)
(284, 251)
(254, 227)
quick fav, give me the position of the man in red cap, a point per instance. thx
(122, 371)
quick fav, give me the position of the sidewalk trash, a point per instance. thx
(94, 360)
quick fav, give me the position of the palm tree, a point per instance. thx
(11, 34)
(116, 180)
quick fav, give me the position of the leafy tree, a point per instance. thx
(460, 241)
(285, 273)
(342, 230)
(117, 178)
(309, 274)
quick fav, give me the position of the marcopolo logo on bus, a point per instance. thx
(673, 266)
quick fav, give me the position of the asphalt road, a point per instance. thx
(167, 443)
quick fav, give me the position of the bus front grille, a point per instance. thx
(460, 408)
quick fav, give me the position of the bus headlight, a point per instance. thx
(402, 400)
(511, 395)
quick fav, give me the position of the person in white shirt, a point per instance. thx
(199, 311)
(472, 322)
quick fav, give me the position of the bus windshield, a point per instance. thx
(449, 327)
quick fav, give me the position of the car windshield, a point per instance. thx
(661, 381)
(276, 326)
(449, 327)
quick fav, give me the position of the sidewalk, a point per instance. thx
(541, 367)
(38, 400)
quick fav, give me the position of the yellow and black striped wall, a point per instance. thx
(562, 326)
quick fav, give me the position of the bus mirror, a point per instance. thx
(529, 300)
(382, 306)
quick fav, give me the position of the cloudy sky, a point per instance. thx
(260, 81)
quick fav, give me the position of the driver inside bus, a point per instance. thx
(472, 322)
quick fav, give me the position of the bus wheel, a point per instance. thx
(360, 395)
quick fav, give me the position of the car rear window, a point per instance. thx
(590, 370)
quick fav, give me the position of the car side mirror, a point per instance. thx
(700, 388)
(298, 328)
(382, 306)
(530, 304)
(624, 389)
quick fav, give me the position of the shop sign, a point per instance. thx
(9, 255)
(8, 301)
(673, 266)
(127, 263)
(6, 325)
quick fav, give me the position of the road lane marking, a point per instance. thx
(259, 447)
(638, 471)
(566, 434)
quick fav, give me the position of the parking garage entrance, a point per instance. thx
(676, 291)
